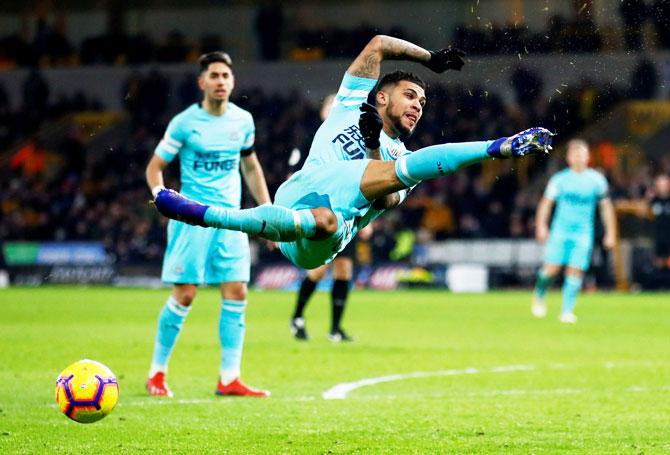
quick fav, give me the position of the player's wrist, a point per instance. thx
(372, 143)
(156, 189)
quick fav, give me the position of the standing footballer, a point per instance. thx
(214, 140)
(576, 191)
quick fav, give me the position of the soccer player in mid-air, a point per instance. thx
(576, 191)
(214, 141)
(358, 166)
(342, 268)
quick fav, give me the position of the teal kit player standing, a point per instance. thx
(214, 141)
(576, 191)
(358, 166)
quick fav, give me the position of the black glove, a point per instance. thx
(370, 123)
(450, 58)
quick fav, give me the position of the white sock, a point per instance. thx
(229, 376)
(157, 369)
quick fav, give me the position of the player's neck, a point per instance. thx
(215, 107)
(390, 131)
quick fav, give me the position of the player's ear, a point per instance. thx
(381, 98)
(201, 82)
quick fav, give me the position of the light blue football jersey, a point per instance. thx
(576, 195)
(209, 149)
(339, 138)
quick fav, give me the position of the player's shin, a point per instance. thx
(231, 336)
(542, 283)
(438, 160)
(170, 322)
(271, 222)
(571, 287)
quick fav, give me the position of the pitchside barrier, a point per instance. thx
(36, 263)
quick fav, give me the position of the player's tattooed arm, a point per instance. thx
(382, 47)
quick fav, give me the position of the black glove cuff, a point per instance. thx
(372, 143)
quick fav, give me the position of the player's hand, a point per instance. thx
(450, 58)
(370, 123)
(609, 240)
(541, 233)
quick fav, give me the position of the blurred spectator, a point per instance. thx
(644, 81)
(269, 26)
(659, 203)
(175, 48)
(633, 16)
(660, 15)
(527, 86)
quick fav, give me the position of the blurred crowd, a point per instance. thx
(71, 188)
(44, 39)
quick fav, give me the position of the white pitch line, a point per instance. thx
(340, 391)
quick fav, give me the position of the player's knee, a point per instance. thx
(326, 222)
(234, 291)
(185, 296)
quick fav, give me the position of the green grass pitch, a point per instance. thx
(492, 379)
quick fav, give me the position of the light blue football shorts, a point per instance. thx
(572, 250)
(335, 185)
(198, 255)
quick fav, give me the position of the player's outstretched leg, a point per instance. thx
(382, 178)
(271, 222)
(438, 160)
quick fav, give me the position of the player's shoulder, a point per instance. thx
(561, 175)
(596, 175)
(240, 113)
(182, 118)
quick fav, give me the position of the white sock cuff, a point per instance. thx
(228, 376)
(177, 307)
(155, 368)
(403, 174)
(236, 306)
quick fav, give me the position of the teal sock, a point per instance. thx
(271, 222)
(571, 287)
(541, 284)
(438, 160)
(170, 322)
(231, 335)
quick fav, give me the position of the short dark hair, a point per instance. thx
(397, 76)
(214, 57)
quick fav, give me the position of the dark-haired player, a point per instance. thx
(214, 140)
(358, 166)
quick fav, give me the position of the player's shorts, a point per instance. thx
(198, 255)
(569, 250)
(335, 186)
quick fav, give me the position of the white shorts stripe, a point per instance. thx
(296, 222)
